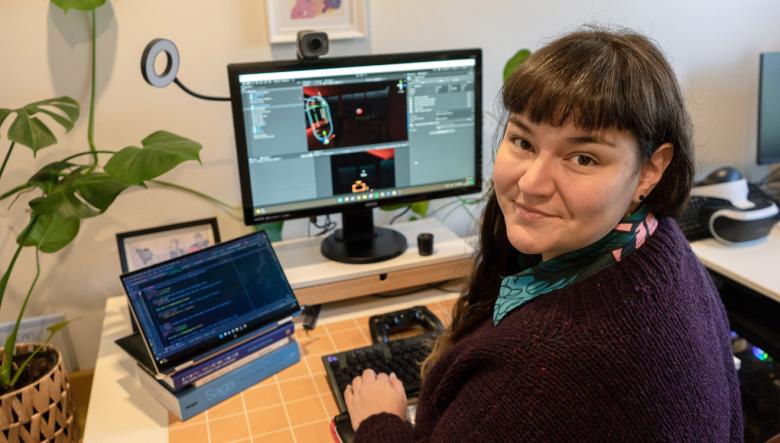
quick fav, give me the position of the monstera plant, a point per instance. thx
(64, 193)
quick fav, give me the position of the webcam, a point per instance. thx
(312, 44)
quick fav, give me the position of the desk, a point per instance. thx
(293, 406)
(754, 266)
(748, 278)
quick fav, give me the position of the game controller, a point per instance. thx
(384, 325)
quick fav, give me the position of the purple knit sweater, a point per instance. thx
(637, 352)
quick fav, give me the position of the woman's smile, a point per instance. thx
(530, 213)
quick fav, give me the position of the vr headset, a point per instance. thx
(726, 207)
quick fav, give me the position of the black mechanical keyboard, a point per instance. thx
(402, 356)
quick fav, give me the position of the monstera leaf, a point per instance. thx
(421, 208)
(81, 5)
(161, 152)
(49, 232)
(516, 60)
(79, 193)
(29, 130)
(99, 189)
(4, 112)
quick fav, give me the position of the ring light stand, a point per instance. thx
(152, 50)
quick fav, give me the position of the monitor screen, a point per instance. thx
(769, 109)
(197, 302)
(334, 134)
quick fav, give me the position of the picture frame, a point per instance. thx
(144, 247)
(341, 19)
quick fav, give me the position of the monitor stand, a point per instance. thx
(359, 241)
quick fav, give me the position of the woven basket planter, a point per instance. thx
(41, 411)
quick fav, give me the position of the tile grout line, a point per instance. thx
(208, 425)
(332, 342)
(366, 338)
(277, 384)
(262, 408)
(308, 423)
(284, 406)
(296, 377)
(246, 418)
(316, 388)
(321, 420)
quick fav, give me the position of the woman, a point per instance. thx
(587, 316)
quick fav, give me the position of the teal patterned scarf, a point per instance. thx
(561, 271)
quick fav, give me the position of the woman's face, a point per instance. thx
(563, 188)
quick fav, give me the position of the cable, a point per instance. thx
(398, 292)
(326, 227)
(200, 96)
(397, 216)
(443, 289)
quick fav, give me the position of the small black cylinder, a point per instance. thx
(425, 243)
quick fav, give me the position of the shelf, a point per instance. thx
(316, 279)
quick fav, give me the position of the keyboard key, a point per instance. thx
(402, 356)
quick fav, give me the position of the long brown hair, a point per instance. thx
(598, 79)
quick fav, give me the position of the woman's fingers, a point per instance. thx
(372, 393)
(397, 384)
(349, 396)
(369, 374)
(357, 382)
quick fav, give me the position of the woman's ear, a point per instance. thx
(652, 171)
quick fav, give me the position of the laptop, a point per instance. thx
(192, 308)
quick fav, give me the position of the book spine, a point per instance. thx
(241, 362)
(188, 376)
(194, 400)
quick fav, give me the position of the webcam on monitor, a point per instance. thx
(312, 44)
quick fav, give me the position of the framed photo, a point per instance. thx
(341, 19)
(138, 249)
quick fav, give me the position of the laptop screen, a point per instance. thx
(195, 303)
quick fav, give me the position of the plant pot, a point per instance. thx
(41, 411)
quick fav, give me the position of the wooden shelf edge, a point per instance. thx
(383, 282)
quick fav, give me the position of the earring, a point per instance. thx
(641, 197)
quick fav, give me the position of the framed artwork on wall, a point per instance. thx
(341, 19)
(145, 247)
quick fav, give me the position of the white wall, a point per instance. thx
(713, 46)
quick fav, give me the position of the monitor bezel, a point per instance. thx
(763, 156)
(237, 69)
(216, 345)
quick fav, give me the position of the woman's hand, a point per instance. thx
(372, 394)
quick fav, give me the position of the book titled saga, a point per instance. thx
(193, 400)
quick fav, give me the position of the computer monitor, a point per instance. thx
(769, 109)
(353, 133)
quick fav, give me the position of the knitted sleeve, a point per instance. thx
(384, 428)
(476, 406)
(479, 412)
(549, 398)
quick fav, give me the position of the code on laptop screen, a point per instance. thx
(193, 303)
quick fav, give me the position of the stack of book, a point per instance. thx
(191, 390)
(212, 323)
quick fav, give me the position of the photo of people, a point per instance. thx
(150, 246)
